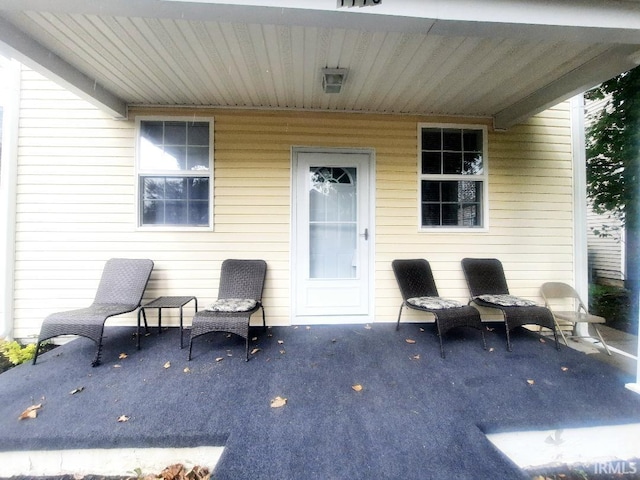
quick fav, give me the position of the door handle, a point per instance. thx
(365, 234)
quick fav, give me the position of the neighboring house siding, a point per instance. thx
(606, 259)
(76, 204)
(606, 253)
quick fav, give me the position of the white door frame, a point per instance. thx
(297, 319)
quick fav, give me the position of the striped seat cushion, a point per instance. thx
(232, 305)
(506, 300)
(434, 303)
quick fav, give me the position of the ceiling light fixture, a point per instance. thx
(333, 79)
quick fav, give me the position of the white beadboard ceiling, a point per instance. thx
(500, 59)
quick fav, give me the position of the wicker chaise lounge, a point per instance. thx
(488, 287)
(239, 297)
(419, 292)
(121, 288)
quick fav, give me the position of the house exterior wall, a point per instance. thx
(606, 253)
(76, 204)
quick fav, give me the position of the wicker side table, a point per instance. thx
(165, 302)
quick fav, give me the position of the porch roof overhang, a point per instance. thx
(499, 59)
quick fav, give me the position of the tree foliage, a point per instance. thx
(613, 148)
(613, 165)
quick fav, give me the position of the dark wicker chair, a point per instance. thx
(419, 292)
(488, 287)
(121, 288)
(239, 297)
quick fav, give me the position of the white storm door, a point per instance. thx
(331, 269)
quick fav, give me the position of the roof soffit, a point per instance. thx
(600, 42)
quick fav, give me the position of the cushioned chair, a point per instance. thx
(488, 287)
(419, 292)
(566, 306)
(121, 288)
(239, 297)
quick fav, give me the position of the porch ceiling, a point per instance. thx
(500, 59)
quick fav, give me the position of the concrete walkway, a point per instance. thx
(623, 346)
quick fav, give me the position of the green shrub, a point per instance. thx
(614, 304)
(17, 353)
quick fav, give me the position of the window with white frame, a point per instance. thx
(175, 165)
(453, 179)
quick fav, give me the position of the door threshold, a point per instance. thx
(331, 320)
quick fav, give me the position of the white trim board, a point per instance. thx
(109, 462)
(572, 446)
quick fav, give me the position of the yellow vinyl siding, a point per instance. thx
(76, 204)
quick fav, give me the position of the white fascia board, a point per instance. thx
(580, 20)
(16, 44)
(599, 69)
(590, 13)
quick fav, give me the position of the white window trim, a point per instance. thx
(484, 177)
(138, 172)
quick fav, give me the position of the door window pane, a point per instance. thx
(333, 222)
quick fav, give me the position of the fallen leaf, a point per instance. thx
(187, 370)
(117, 365)
(280, 342)
(282, 352)
(219, 359)
(180, 472)
(31, 412)
(367, 327)
(334, 340)
(122, 356)
(421, 329)
(490, 329)
(564, 369)
(491, 349)
(357, 387)
(308, 327)
(416, 357)
(173, 472)
(254, 339)
(542, 340)
(123, 418)
(410, 341)
(278, 402)
(76, 390)
(531, 382)
(167, 365)
(199, 473)
(255, 350)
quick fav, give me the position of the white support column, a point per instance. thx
(635, 387)
(581, 261)
(8, 178)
